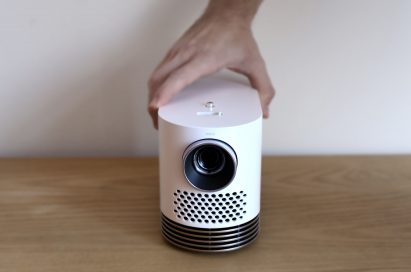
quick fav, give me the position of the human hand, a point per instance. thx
(216, 41)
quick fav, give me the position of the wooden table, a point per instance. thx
(318, 214)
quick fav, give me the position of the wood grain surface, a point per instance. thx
(318, 214)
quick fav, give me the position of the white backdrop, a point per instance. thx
(73, 74)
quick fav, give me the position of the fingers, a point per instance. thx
(206, 48)
(177, 80)
(172, 61)
(260, 81)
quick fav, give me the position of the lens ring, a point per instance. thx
(212, 170)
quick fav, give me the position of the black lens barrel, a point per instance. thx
(209, 159)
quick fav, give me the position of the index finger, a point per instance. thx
(177, 81)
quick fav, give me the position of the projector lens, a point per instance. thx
(209, 164)
(209, 160)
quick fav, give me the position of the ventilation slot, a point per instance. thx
(210, 208)
(210, 240)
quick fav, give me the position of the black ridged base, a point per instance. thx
(207, 239)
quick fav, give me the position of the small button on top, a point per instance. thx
(210, 105)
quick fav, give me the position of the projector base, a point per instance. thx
(207, 239)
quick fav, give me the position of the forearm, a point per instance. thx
(233, 10)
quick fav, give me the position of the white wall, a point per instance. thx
(73, 74)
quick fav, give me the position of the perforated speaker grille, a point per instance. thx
(210, 240)
(209, 208)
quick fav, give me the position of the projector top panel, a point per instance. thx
(212, 103)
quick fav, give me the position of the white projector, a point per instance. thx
(210, 166)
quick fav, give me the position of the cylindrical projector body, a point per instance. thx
(210, 166)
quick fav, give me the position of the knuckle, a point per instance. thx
(272, 93)
(152, 108)
(152, 81)
(268, 95)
